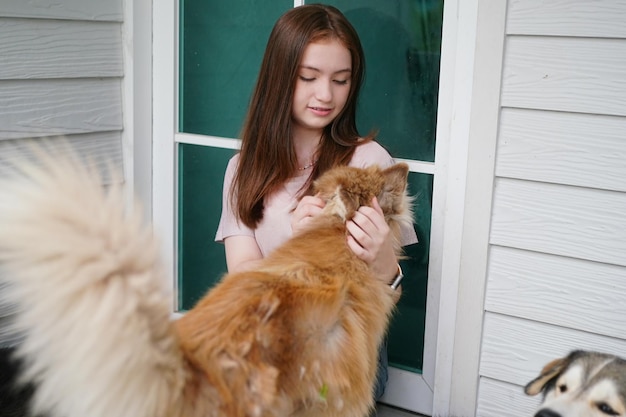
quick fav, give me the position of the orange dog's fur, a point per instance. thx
(296, 336)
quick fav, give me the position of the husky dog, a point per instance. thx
(297, 336)
(582, 384)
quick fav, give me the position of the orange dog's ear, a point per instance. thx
(396, 177)
(394, 188)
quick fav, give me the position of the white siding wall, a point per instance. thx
(61, 76)
(557, 263)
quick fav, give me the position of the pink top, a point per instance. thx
(275, 228)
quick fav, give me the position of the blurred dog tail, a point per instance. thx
(90, 298)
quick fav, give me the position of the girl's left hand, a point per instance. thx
(370, 239)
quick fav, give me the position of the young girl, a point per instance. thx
(300, 123)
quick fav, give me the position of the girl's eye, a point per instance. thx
(341, 82)
(306, 79)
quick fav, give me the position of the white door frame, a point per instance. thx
(473, 34)
(467, 127)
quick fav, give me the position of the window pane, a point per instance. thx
(221, 49)
(406, 333)
(201, 261)
(402, 43)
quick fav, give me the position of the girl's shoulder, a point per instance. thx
(231, 169)
(371, 153)
(233, 161)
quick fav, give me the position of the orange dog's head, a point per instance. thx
(345, 189)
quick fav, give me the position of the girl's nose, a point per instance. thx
(324, 91)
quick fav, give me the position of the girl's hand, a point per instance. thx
(370, 239)
(307, 208)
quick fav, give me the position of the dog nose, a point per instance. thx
(546, 412)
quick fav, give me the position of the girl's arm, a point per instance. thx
(242, 253)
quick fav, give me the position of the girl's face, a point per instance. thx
(322, 86)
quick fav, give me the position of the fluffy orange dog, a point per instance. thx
(296, 337)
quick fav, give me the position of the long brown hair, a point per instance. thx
(267, 158)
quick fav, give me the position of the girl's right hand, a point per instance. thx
(307, 208)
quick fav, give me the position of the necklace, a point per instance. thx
(307, 166)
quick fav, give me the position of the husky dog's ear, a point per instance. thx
(391, 196)
(549, 373)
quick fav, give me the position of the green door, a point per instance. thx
(220, 49)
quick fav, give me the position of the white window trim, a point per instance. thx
(137, 103)
(164, 88)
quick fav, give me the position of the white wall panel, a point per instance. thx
(103, 149)
(59, 107)
(498, 399)
(597, 18)
(33, 48)
(562, 291)
(566, 74)
(556, 278)
(515, 350)
(564, 148)
(64, 9)
(570, 221)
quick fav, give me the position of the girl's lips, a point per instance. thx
(321, 111)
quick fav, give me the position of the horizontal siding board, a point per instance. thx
(57, 107)
(568, 292)
(497, 399)
(569, 221)
(565, 148)
(59, 49)
(598, 18)
(565, 74)
(111, 10)
(104, 149)
(515, 350)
